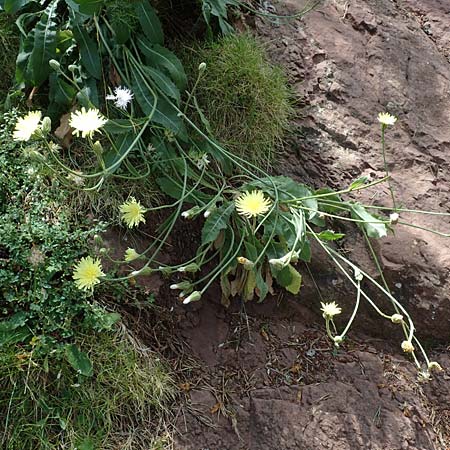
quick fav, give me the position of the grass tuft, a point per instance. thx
(245, 98)
(48, 406)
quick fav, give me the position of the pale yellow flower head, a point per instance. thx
(386, 119)
(407, 347)
(252, 204)
(26, 126)
(330, 310)
(87, 273)
(86, 122)
(131, 254)
(433, 365)
(132, 212)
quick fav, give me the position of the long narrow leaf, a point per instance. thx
(44, 49)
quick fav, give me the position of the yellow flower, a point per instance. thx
(26, 126)
(407, 347)
(131, 254)
(87, 273)
(386, 119)
(252, 204)
(86, 122)
(132, 212)
(330, 309)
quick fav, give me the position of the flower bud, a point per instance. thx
(396, 318)
(98, 239)
(358, 275)
(55, 65)
(189, 268)
(194, 297)
(407, 347)
(190, 213)
(143, 271)
(72, 68)
(97, 148)
(207, 213)
(46, 126)
(131, 254)
(338, 340)
(202, 67)
(248, 265)
(184, 285)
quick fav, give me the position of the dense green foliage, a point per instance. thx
(41, 239)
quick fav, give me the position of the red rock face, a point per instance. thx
(266, 376)
(347, 61)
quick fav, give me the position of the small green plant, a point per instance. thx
(40, 241)
(245, 99)
(44, 404)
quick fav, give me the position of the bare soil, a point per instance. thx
(264, 376)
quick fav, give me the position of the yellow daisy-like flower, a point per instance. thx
(26, 126)
(386, 119)
(87, 273)
(252, 204)
(330, 310)
(86, 122)
(132, 212)
(131, 254)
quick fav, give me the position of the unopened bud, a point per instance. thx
(97, 148)
(46, 126)
(189, 268)
(184, 285)
(194, 297)
(202, 67)
(407, 347)
(55, 65)
(358, 275)
(246, 262)
(396, 318)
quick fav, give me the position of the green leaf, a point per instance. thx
(174, 190)
(164, 83)
(89, 7)
(149, 22)
(44, 48)
(263, 289)
(61, 92)
(13, 6)
(162, 58)
(374, 227)
(305, 252)
(123, 126)
(358, 183)
(78, 360)
(122, 144)
(164, 114)
(217, 221)
(329, 235)
(296, 282)
(89, 55)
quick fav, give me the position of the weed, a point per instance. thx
(244, 97)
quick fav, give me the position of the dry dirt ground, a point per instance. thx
(264, 377)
